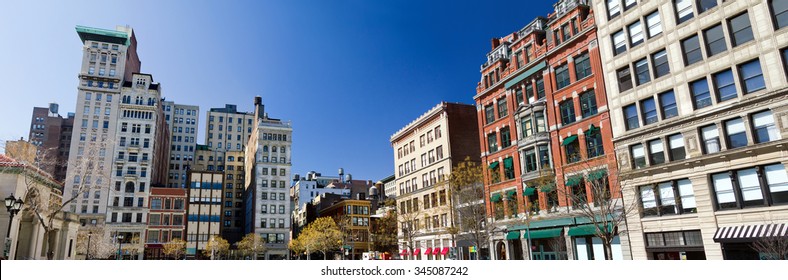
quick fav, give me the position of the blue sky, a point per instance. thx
(347, 73)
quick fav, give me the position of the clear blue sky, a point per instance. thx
(347, 73)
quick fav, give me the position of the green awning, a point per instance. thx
(574, 180)
(543, 233)
(529, 191)
(592, 130)
(494, 165)
(513, 235)
(525, 74)
(510, 194)
(496, 197)
(586, 230)
(597, 174)
(508, 162)
(569, 140)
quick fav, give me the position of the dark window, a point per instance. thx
(715, 40)
(567, 112)
(710, 138)
(489, 113)
(506, 139)
(594, 147)
(540, 88)
(764, 127)
(582, 66)
(649, 109)
(518, 95)
(613, 8)
(641, 71)
(565, 32)
(502, 110)
(508, 171)
(530, 160)
(635, 33)
(588, 103)
(700, 93)
(631, 117)
(667, 101)
(752, 76)
(734, 133)
(619, 42)
(691, 50)
(656, 152)
(660, 62)
(741, 29)
(725, 86)
(705, 5)
(572, 151)
(624, 79)
(780, 13)
(562, 76)
(676, 146)
(492, 142)
(667, 198)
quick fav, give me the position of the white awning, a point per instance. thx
(750, 233)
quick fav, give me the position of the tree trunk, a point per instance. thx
(49, 244)
(608, 249)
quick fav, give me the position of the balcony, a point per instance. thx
(537, 24)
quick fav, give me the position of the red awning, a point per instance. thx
(416, 252)
(404, 252)
(445, 251)
(429, 251)
(436, 251)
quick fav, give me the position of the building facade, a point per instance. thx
(389, 186)
(352, 216)
(204, 211)
(424, 153)
(183, 122)
(268, 165)
(51, 133)
(166, 220)
(109, 57)
(699, 110)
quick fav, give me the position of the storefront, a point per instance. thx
(675, 245)
(753, 242)
(588, 246)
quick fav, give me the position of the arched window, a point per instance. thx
(138, 100)
(129, 187)
(282, 149)
(265, 148)
(273, 149)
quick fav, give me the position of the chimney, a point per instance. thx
(259, 108)
(495, 43)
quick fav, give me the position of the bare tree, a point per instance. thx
(409, 227)
(773, 247)
(467, 195)
(93, 243)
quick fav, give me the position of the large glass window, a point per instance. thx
(572, 148)
(588, 103)
(641, 71)
(506, 138)
(715, 40)
(530, 160)
(624, 79)
(752, 76)
(631, 117)
(562, 76)
(743, 188)
(544, 156)
(725, 86)
(676, 146)
(711, 139)
(705, 5)
(741, 30)
(683, 10)
(656, 152)
(723, 190)
(582, 66)
(654, 24)
(619, 42)
(502, 109)
(779, 13)
(613, 8)
(489, 113)
(735, 135)
(638, 156)
(649, 109)
(667, 101)
(567, 112)
(526, 126)
(541, 125)
(594, 147)
(660, 61)
(777, 181)
(690, 47)
(701, 97)
(635, 33)
(492, 142)
(764, 127)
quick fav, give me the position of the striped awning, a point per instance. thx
(750, 233)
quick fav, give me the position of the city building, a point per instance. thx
(227, 129)
(183, 122)
(268, 164)
(26, 239)
(51, 133)
(352, 216)
(389, 186)
(166, 220)
(109, 57)
(699, 108)
(545, 133)
(425, 151)
(140, 162)
(204, 211)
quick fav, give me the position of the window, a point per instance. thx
(624, 79)
(508, 170)
(741, 29)
(565, 32)
(540, 93)
(506, 139)
(656, 153)
(711, 139)
(676, 146)
(502, 112)
(567, 112)
(735, 136)
(724, 85)
(777, 183)
(764, 127)
(752, 76)
(562, 76)
(635, 33)
(715, 40)
(572, 148)
(779, 9)
(700, 93)
(649, 109)
(492, 143)
(619, 42)
(667, 101)
(638, 156)
(705, 5)
(594, 145)
(654, 24)
(518, 95)
(683, 10)
(582, 66)
(641, 71)
(660, 62)
(631, 117)
(662, 198)
(489, 113)
(588, 103)
(690, 48)
(530, 160)
(613, 8)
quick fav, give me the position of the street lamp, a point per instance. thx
(120, 241)
(12, 205)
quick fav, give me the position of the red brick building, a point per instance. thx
(544, 131)
(166, 220)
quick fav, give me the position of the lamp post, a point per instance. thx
(120, 241)
(87, 257)
(12, 205)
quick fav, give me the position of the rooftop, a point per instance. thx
(102, 35)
